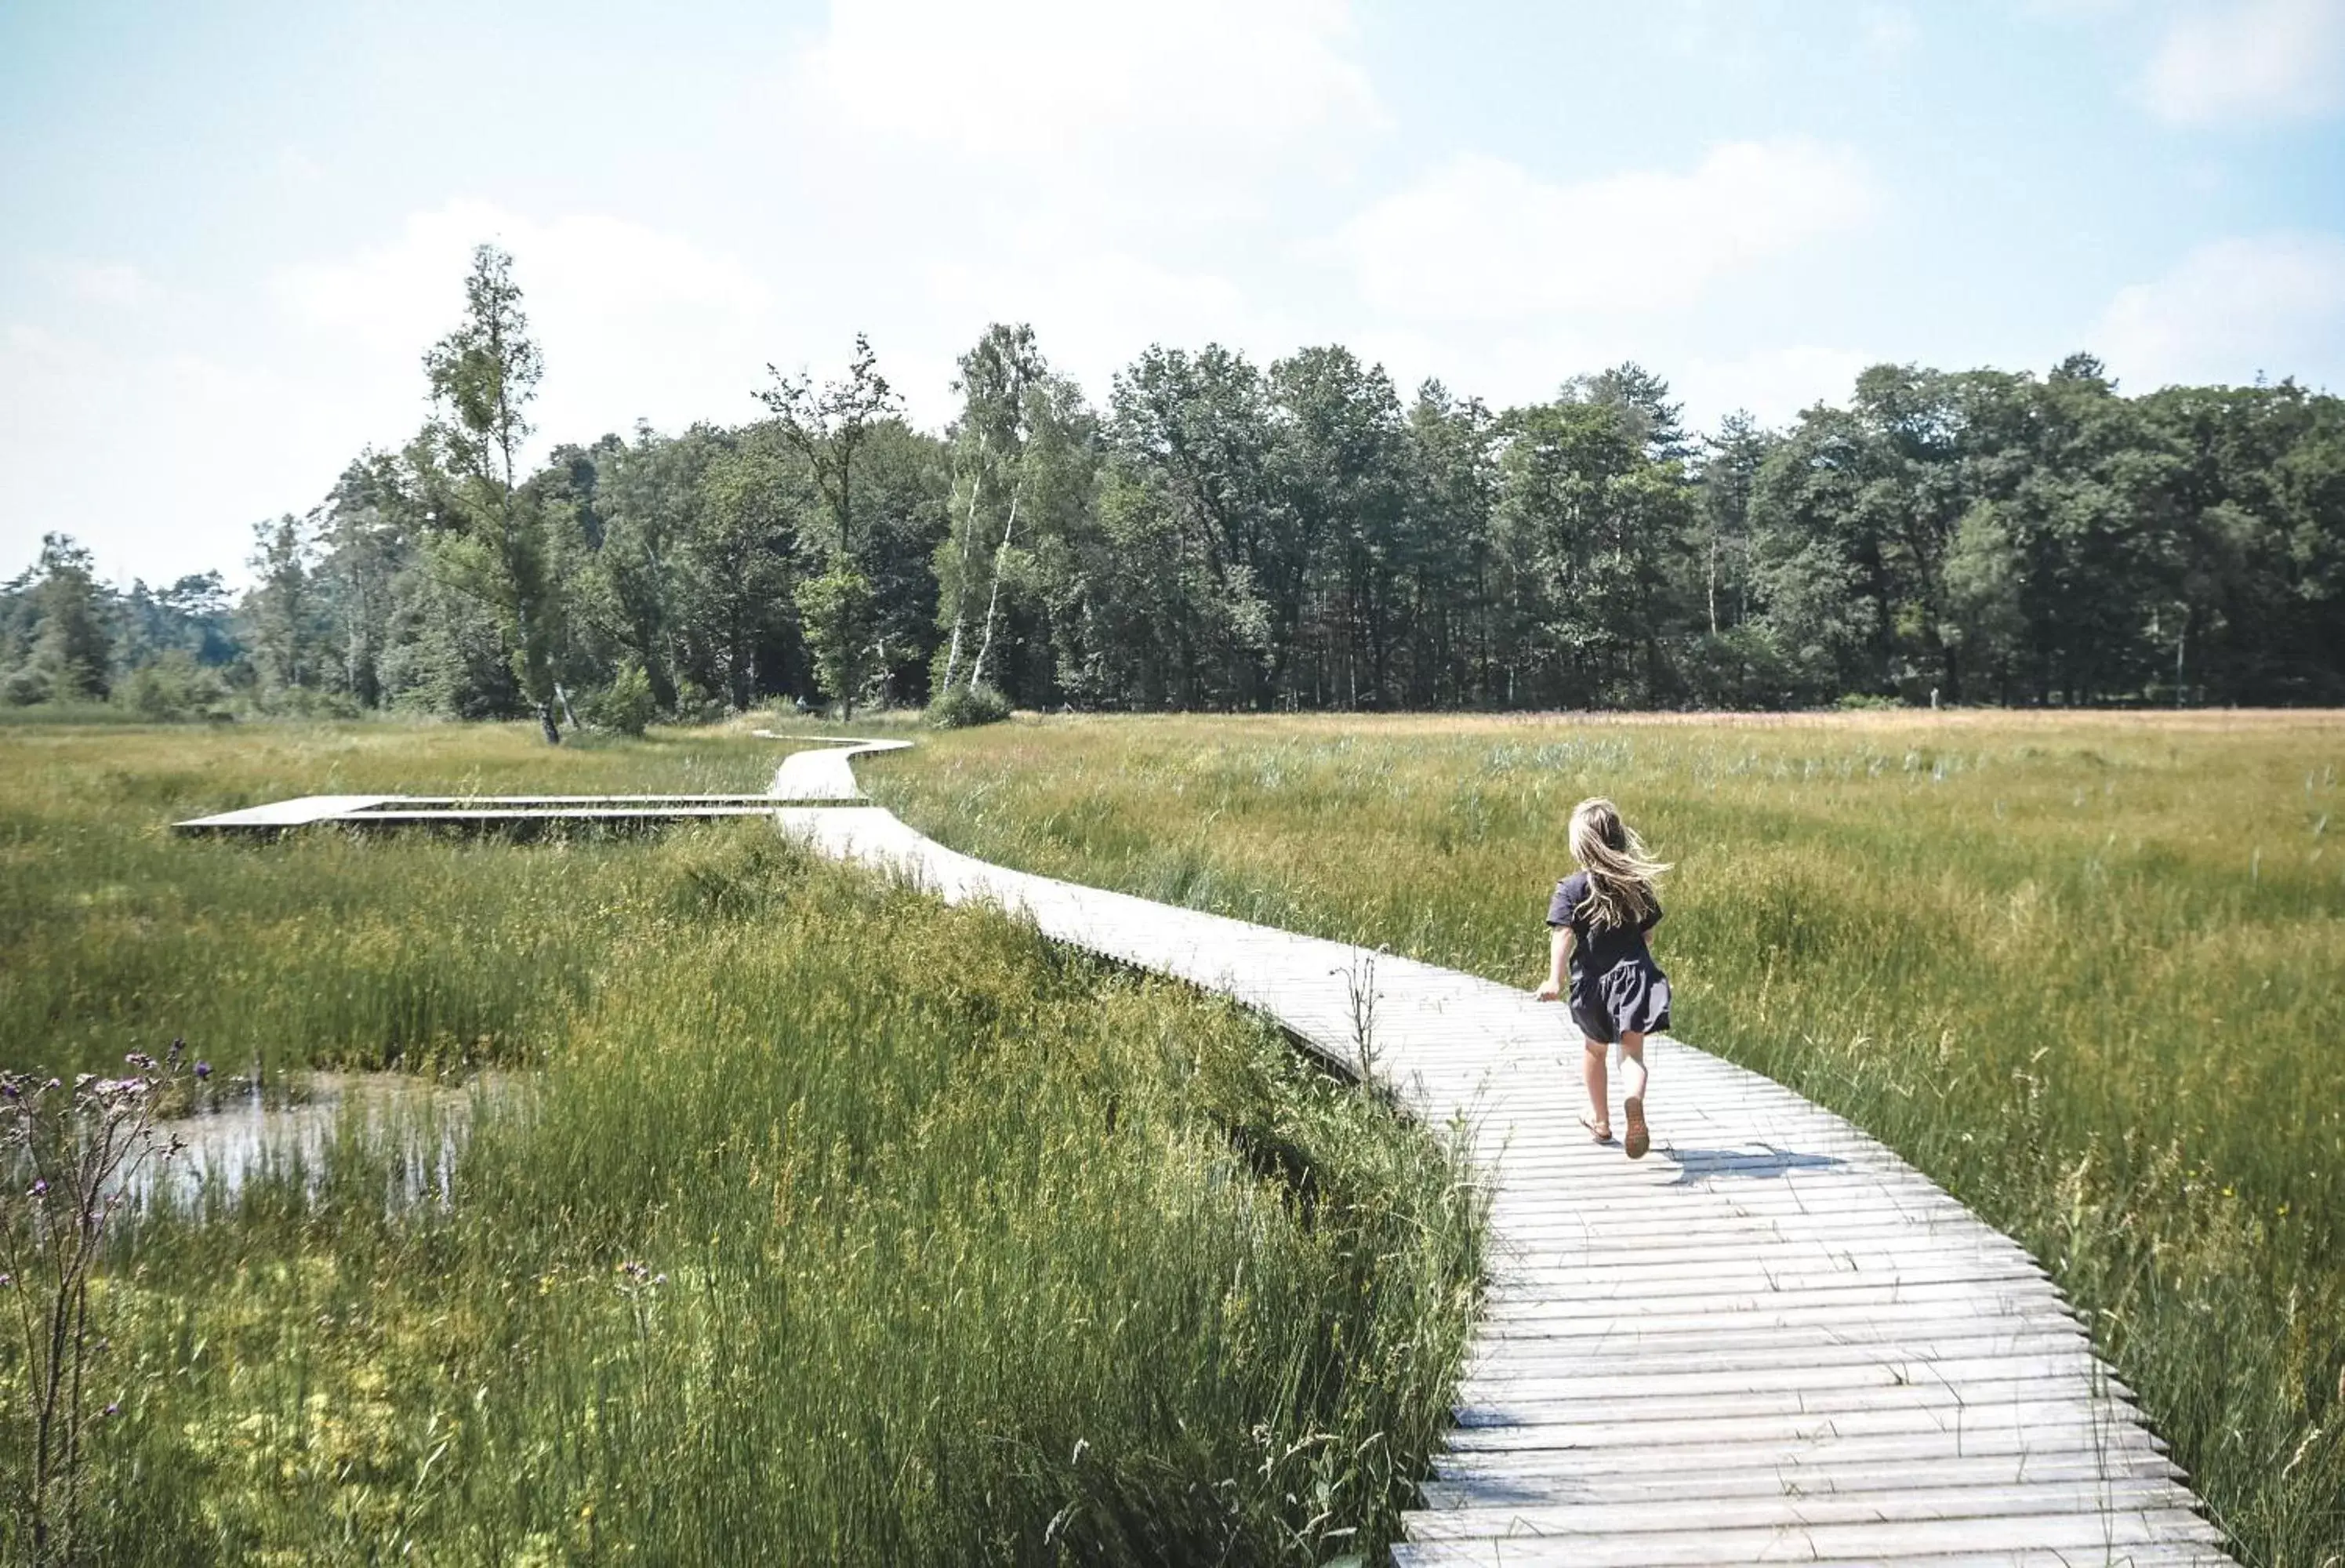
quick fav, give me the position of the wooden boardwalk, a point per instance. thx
(1771, 1341)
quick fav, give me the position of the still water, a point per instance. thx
(242, 1135)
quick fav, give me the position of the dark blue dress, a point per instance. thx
(1615, 987)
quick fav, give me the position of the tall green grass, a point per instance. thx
(2084, 971)
(324, 947)
(837, 1226)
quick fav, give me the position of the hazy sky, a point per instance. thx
(228, 232)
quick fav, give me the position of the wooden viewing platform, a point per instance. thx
(1771, 1341)
(474, 811)
(824, 777)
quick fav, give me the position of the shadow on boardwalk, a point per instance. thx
(1749, 1165)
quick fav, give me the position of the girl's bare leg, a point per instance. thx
(1632, 1084)
(1591, 1068)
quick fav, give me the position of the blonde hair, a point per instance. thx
(1620, 873)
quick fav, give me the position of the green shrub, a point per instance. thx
(961, 706)
(626, 704)
(173, 687)
(24, 687)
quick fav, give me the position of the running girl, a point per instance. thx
(1600, 916)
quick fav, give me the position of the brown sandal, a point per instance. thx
(1640, 1138)
(1601, 1131)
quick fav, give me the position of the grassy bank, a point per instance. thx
(836, 1226)
(2084, 971)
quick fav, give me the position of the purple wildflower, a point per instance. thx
(203, 1070)
(40, 1187)
(112, 1409)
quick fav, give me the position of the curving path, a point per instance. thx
(1771, 1341)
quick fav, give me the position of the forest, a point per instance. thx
(1226, 536)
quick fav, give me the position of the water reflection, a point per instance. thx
(242, 1136)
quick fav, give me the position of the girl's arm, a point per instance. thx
(1558, 951)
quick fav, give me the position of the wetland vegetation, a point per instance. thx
(2081, 970)
(828, 1225)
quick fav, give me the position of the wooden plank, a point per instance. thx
(1819, 1250)
(1651, 1386)
(1792, 1428)
(1881, 1314)
(1617, 1521)
(1535, 1408)
(1854, 1477)
(1869, 1455)
(2087, 1528)
(278, 815)
(1519, 1359)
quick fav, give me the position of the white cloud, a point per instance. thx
(1103, 170)
(177, 491)
(2273, 305)
(408, 293)
(1772, 386)
(1890, 32)
(162, 453)
(2249, 60)
(636, 322)
(113, 285)
(2078, 10)
(1047, 80)
(1485, 239)
(1086, 304)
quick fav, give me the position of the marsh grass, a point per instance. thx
(2083, 971)
(836, 1226)
(323, 948)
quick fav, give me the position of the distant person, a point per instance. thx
(1598, 918)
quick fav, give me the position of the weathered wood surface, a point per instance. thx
(1771, 1340)
(278, 815)
(410, 810)
(824, 774)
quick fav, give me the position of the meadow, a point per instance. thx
(2084, 970)
(818, 1222)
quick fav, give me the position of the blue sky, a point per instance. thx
(230, 230)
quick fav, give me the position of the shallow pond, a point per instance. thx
(242, 1133)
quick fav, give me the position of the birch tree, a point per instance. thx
(482, 376)
(997, 379)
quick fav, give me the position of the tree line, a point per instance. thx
(1229, 536)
